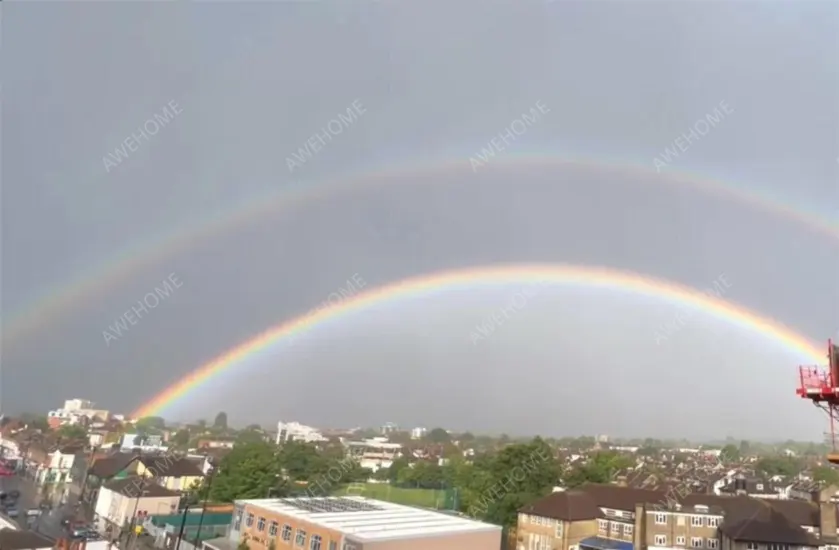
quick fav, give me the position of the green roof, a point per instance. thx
(193, 518)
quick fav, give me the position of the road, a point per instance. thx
(62, 504)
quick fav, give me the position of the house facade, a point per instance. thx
(120, 501)
(610, 517)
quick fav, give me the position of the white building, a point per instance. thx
(121, 500)
(150, 443)
(59, 467)
(288, 431)
(418, 433)
(77, 404)
(374, 453)
(389, 428)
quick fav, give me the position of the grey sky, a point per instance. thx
(255, 80)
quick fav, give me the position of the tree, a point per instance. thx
(730, 453)
(221, 421)
(248, 471)
(600, 469)
(181, 438)
(826, 474)
(72, 431)
(151, 423)
(438, 435)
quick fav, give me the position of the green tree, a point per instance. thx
(72, 431)
(181, 438)
(220, 422)
(826, 474)
(730, 453)
(438, 435)
(248, 471)
(601, 468)
(151, 424)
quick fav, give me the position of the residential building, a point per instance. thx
(418, 433)
(389, 428)
(374, 453)
(175, 473)
(352, 523)
(145, 443)
(288, 431)
(121, 500)
(610, 517)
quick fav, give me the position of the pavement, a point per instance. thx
(61, 499)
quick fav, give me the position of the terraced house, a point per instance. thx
(610, 517)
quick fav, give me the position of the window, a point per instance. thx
(615, 526)
(249, 520)
(660, 540)
(751, 546)
(260, 524)
(760, 486)
(680, 541)
(272, 531)
(713, 543)
(696, 521)
(558, 528)
(713, 522)
(314, 542)
(286, 533)
(696, 542)
(333, 545)
(627, 530)
(301, 537)
(661, 519)
(602, 525)
(522, 519)
(237, 525)
(350, 546)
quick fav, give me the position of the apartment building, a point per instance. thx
(288, 431)
(610, 517)
(351, 523)
(374, 453)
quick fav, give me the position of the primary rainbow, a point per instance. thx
(517, 273)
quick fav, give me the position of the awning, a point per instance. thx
(599, 543)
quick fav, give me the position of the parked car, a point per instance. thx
(12, 512)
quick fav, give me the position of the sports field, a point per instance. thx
(426, 498)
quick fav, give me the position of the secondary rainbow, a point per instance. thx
(518, 273)
(140, 256)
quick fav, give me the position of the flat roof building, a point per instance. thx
(353, 523)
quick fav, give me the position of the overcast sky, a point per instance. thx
(251, 82)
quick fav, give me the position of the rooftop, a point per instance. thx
(369, 520)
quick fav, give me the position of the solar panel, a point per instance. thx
(328, 505)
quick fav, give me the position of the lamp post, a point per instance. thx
(183, 525)
(211, 473)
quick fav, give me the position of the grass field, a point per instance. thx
(426, 498)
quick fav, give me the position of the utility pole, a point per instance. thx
(183, 525)
(204, 506)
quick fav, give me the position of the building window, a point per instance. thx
(558, 528)
(286, 533)
(713, 543)
(696, 542)
(602, 525)
(661, 519)
(660, 540)
(713, 522)
(680, 541)
(260, 524)
(696, 521)
(301, 537)
(522, 519)
(760, 486)
(237, 524)
(272, 531)
(627, 530)
(249, 520)
(333, 545)
(314, 542)
(751, 546)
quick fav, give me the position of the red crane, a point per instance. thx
(821, 386)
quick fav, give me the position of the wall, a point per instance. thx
(488, 540)
(260, 540)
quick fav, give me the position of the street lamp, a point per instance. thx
(211, 475)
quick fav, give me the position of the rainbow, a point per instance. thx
(432, 283)
(62, 299)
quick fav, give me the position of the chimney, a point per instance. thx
(827, 516)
